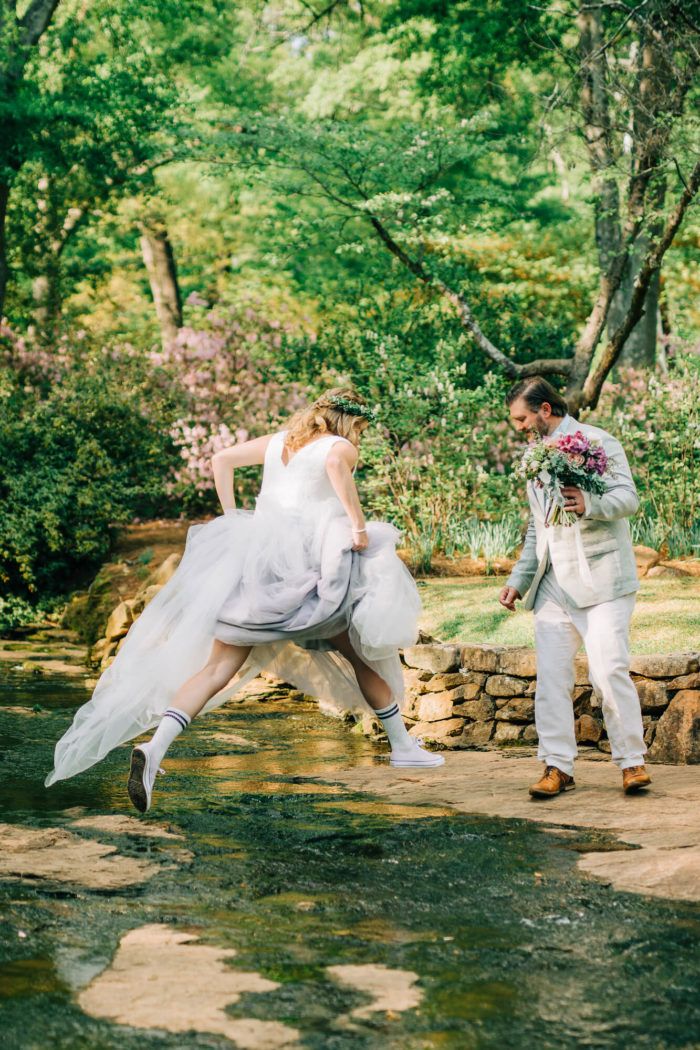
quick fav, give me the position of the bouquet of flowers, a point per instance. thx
(570, 459)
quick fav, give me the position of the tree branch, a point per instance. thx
(514, 370)
(35, 20)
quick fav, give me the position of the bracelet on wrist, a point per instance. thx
(359, 530)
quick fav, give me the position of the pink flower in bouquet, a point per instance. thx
(573, 444)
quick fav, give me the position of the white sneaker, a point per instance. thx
(140, 782)
(415, 756)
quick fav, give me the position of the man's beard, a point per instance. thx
(539, 429)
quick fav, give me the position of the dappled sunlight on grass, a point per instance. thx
(666, 618)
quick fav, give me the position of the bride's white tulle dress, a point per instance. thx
(282, 578)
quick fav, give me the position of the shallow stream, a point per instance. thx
(486, 934)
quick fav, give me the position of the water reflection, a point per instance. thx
(508, 944)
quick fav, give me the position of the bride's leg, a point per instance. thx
(374, 689)
(223, 663)
(405, 751)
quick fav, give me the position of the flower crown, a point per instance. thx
(352, 408)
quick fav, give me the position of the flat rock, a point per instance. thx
(521, 662)
(389, 990)
(468, 691)
(507, 733)
(53, 853)
(505, 685)
(664, 665)
(480, 657)
(677, 737)
(440, 658)
(119, 622)
(476, 734)
(121, 824)
(161, 978)
(433, 708)
(685, 681)
(517, 709)
(646, 558)
(588, 729)
(476, 710)
(671, 874)
(166, 570)
(581, 676)
(440, 682)
(653, 694)
(683, 566)
(416, 681)
(665, 570)
(494, 783)
(438, 732)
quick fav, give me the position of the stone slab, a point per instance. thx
(664, 665)
(663, 821)
(438, 658)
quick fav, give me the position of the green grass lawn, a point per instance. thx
(666, 618)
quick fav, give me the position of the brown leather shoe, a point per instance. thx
(635, 779)
(551, 783)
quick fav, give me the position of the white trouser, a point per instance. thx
(604, 630)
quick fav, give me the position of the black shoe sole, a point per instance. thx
(135, 785)
(545, 794)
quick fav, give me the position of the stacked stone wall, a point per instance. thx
(484, 696)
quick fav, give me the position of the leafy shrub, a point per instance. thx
(77, 463)
(15, 612)
(658, 421)
(443, 451)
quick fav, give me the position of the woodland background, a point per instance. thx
(210, 211)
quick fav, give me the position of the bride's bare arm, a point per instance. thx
(339, 463)
(246, 454)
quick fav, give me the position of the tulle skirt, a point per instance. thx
(282, 580)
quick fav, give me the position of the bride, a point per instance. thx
(302, 587)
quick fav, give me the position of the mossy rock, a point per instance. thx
(87, 613)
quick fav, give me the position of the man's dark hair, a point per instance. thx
(534, 392)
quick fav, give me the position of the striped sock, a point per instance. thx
(394, 727)
(173, 722)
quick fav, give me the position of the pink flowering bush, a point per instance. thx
(229, 379)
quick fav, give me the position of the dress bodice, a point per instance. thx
(303, 481)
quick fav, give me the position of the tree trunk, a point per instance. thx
(639, 350)
(159, 259)
(650, 266)
(648, 184)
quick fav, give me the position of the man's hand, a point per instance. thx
(508, 598)
(573, 498)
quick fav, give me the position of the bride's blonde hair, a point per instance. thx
(322, 416)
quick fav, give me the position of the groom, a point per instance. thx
(582, 590)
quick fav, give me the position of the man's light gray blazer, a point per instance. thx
(604, 536)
